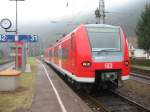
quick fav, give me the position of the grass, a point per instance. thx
(22, 97)
(140, 62)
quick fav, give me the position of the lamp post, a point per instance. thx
(16, 30)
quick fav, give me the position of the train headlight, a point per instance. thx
(86, 64)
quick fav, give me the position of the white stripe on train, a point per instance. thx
(79, 79)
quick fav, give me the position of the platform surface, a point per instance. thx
(53, 95)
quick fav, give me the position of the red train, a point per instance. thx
(91, 54)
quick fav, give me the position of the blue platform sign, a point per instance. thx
(7, 38)
(22, 38)
(28, 38)
(33, 38)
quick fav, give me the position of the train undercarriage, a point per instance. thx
(104, 80)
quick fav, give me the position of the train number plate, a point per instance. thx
(108, 65)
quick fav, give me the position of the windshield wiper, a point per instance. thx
(106, 50)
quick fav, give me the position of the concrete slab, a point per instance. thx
(9, 80)
(28, 68)
(9, 83)
(53, 95)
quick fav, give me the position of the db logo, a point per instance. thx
(108, 65)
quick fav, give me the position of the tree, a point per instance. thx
(143, 30)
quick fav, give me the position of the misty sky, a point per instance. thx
(40, 10)
(39, 16)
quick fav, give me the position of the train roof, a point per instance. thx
(86, 25)
(101, 25)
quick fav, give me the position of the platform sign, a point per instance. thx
(3, 38)
(7, 38)
(33, 38)
(28, 38)
(22, 38)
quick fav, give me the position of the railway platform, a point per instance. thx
(53, 95)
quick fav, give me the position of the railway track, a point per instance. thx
(112, 102)
(6, 65)
(142, 78)
(108, 101)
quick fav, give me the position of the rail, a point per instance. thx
(113, 102)
(140, 76)
(6, 65)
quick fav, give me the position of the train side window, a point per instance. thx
(72, 41)
(64, 53)
(60, 53)
(52, 52)
(49, 53)
(55, 53)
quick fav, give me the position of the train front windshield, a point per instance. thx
(104, 38)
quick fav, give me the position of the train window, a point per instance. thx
(50, 53)
(60, 53)
(104, 38)
(64, 53)
(55, 53)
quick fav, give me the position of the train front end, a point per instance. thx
(109, 53)
(105, 58)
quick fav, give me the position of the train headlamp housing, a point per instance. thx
(86, 64)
